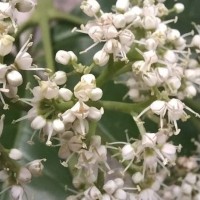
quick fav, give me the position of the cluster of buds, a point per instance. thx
(10, 77)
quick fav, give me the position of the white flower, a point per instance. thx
(65, 57)
(15, 154)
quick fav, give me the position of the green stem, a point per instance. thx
(1, 59)
(123, 107)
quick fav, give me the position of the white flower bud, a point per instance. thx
(158, 107)
(119, 21)
(73, 57)
(90, 7)
(88, 78)
(162, 73)
(101, 58)
(186, 188)
(149, 139)
(110, 32)
(95, 114)
(95, 193)
(196, 41)
(151, 44)
(150, 57)
(24, 5)
(122, 5)
(58, 125)
(96, 33)
(106, 197)
(170, 56)
(190, 91)
(3, 70)
(150, 22)
(24, 175)
(119, 182)
(63, 57)
(14, 78)
(138, 65)
(16, 192)
(126, 37)
(6, 44)
(150, 79)
(112, 46)
(24, 61)
(110, 187)
(137, 177)
(173, 35)
(174, 83)
(38, 122)
(65, 94)
(179, 7)
(132, 14)
(191, 178)
(128, 152)
(36, 167)
(15, 154)
(60, 77)
(96, 94)
(120, 194)
(168, 149)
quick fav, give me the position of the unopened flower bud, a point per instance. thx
(122, 5)
(126, 37)
(24, 175)
(150, 79)
(60, 77)
(137, 177)
(24, 5)
(36, 167)
(168, 149)
(170, 56)
(110, 187)
(14, 78)
(120, 194)
(15, 154)
(196, 41)
(6, 43)
(65, 94)
(38, 122)
(101, 58)
(58, 125)
(63, 57)
(88, 78)
(186, 188)
(96, 94)
(90, 7)
(16, 192)
(119, 21)
(179, 7)
(119, 182)
(128, 152)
